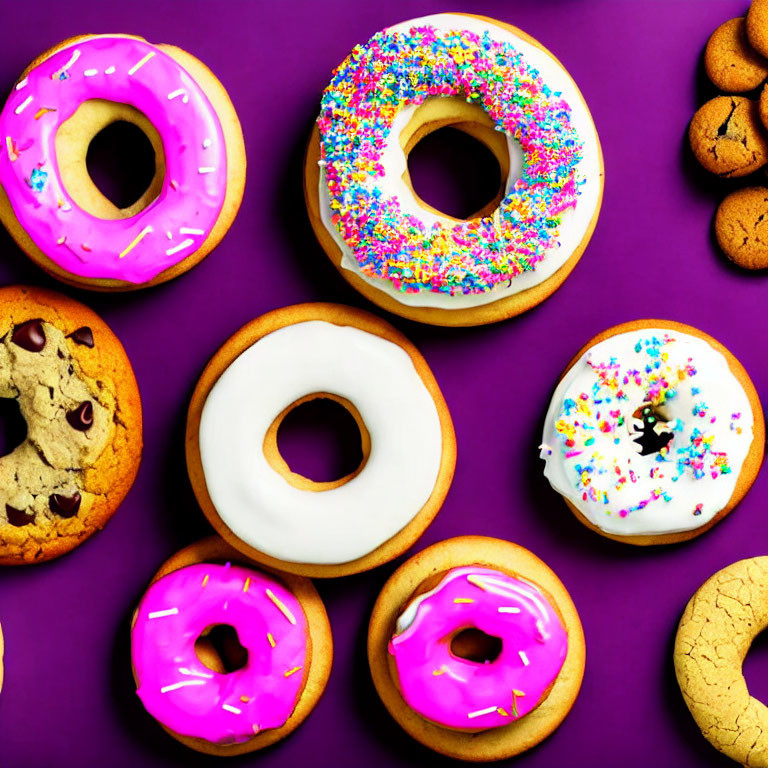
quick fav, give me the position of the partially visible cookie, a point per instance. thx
(741, 227)
(727, 137)
(78, 396)
(730, 61)
(757, 26)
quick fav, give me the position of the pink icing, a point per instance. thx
(183, 694)
(467, 695)
(175, 224)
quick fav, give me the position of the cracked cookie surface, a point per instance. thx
(741, 227)
(730, 61)
(715, 633)
(78, 396)
(726, 137)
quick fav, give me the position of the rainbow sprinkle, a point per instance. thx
(357, 112)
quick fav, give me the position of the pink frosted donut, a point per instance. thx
(466, 695)
(195, 122)
(186, 696)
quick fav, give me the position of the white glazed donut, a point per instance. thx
(366, 365)
(652, 433)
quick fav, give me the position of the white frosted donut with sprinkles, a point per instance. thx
(54, 210)
(499, 85)
(654, 433)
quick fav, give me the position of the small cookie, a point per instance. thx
(757, 26)
(77, 393)
(730, 61)
(727, 137)
(716, 631)
(512, 602)
(243, 693)
(741, 227)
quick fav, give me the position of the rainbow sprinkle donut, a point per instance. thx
(483, 77)
(654, 433)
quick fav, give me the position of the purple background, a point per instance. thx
(68, 698)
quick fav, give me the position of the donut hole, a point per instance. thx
(647, 437)
(219, 649)
(755, 668)
(475, 645)
(318, 443)
(13, 427)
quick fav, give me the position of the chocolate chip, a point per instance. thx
(29, 335)
(64, 506)
(18, 517)
(81, 418)
(82, 336)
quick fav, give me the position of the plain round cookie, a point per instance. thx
(727, 137)
(497, 743)
(77, 134)
(752, 462)
(320, 651)
(343, 316)
(714, 636)
(102, 361)
(741, 227)
(480, 315)
(757, 26)
(730, 61)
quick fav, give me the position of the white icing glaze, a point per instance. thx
(723, 395)
(575, 221)
(335, 526)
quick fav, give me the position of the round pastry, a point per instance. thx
(253, 686)
(497, 84)
(727, 137)
(739, 224)
(716, 631)
(76, 391)
(730, 61)
(757, 26)
(654, 433)
(48, 201)
(280, 518)
(476, 648)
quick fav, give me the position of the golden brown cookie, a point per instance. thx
(281, 478)
(730, 61)
(716, 631)
(751, 464)
(73, 139)
(319, 644)
(419, 573)
(741, 227)
(727, 137)
(757, 26)
(472, 120)
(77, 393)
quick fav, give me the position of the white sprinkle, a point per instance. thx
(233, 710)
(179, 92)
(180, 247)
(160, 614)
(136, 67)
(91, 72)
(206, 169)
(21, 84)
(182, 684)
(75, 56)
(505, 609)
(524, 658)
(207, 143)
(169, 234)
(481, 712)
(185, 671)
(322, 163)
(188, 231)
(23, 105)
(109, 71)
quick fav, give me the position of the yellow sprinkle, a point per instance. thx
(281, 606)
(472, 579)
(205, 579)
(271, 639)
(12, 154)
(438, 672)
(247, 584)
(518, 693)
(463, 600)
(289, 672)
(255, 728)
(144, 232)
(43, 111)
(245, 699)
(503, 712)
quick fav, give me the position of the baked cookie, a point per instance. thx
(193, 675)
(727, 137)
(654, 433)
(49, 203)
(280, 518)
(422, 75)
(730, 61)
(716, 630)
(476, 648)
(741, 227)
(77, 393)
(757, 26)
